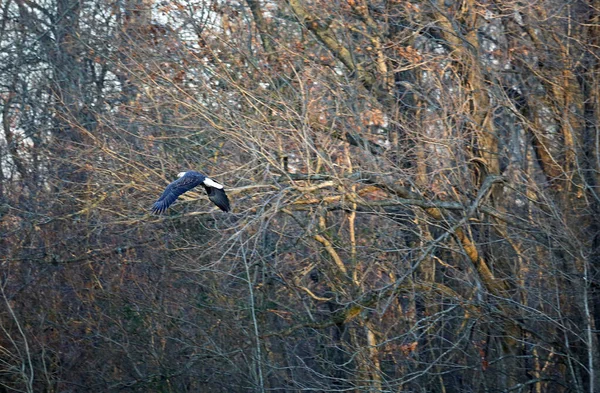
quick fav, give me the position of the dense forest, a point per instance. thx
(415, 191)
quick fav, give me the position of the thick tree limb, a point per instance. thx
(326, 35)
(494, 286)
(262, 26)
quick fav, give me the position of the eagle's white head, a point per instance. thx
(181, 174)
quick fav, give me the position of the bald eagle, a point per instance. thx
(187, 181)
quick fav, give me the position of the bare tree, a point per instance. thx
(413, 187)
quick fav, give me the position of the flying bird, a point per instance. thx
(185, 182)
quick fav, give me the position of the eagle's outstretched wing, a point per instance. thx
(173, 191)
(218, 197)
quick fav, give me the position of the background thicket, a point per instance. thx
(414, 189)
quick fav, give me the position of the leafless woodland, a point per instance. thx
(415, 192)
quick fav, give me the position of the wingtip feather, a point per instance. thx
(158, 208)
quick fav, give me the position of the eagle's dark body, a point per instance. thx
(187, 181)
